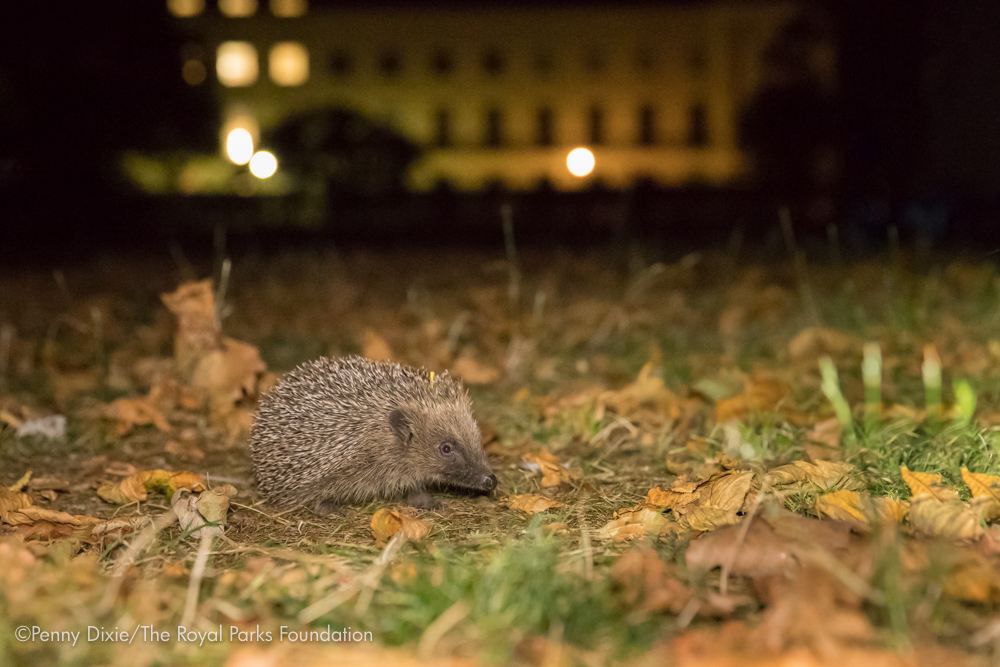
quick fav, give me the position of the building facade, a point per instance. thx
(500, 94)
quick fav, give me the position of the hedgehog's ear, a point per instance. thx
(402, 425)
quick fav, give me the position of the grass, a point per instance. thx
(509, 587)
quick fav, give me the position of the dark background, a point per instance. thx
(913, 123)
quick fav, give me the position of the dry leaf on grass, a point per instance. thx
(387, 522)
(135, 487)
(936, 511)
(228, 374)
(985, 493)
(532, 503)
(847, 505)
(127, 413)
(671, 498)
(553, 472)
(823, 440)
(646, 392)
(824, 474)
(197, 327)
(639, 521)
(814, 342)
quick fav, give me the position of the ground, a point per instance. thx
(644, 420)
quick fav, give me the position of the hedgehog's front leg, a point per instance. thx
(422, 500)
(326, 507)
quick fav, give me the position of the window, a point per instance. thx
(236, 64)
(647, 126)
(289, 8)
(545, 129)
(494, 62)
(596, 125)
(390, 63)
(494, 128)
(442, 63)
(288, 64)
(698, 126)
(341, 63)
(185, 8)
(442, 128)
(238, 8)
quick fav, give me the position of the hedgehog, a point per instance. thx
(350, 430)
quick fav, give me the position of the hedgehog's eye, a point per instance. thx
(446, 448)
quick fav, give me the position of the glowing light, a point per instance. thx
(288, 64)
(185, 8)
(289, 8)
(239, 146)
(263, 164)
(580, 162)
(238, 8)
(236, 64)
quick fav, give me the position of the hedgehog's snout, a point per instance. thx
(489, 482)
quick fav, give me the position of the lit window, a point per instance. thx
(236, 64)
(238, 8)
(289, 64)
(289, 8)
(194, 72)
(185, 8)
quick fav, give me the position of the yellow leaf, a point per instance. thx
(633, 523)
(21, 483)
(213, 504)
(131, 412)
(387, 522)
(824, 474)
(985, 492)
(553, 472)
(708, 518)
(847, 505)
(949, 519)
(531, 503)
(670, 498)
(727, 492)
(925, 484)
(135, 487)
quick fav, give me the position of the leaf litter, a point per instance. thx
(679, 483)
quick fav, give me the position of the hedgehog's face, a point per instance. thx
(445, 445)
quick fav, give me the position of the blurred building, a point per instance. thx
(499, 94)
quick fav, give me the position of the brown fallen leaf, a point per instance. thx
(474, 372)
(127, 413)
(823, 474)
(727, 492)
(985, 493)
(227, 374)
(213, 504)
(926, 485)
(184, 450)
(387, 522)
(670, 498)
(531, 503)
(553, 472)
(136, 486)
(646, 392)
(848, 505)
(197, 326)
(640, 521)
(814, 342)
(704, 519)
(645, 583)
